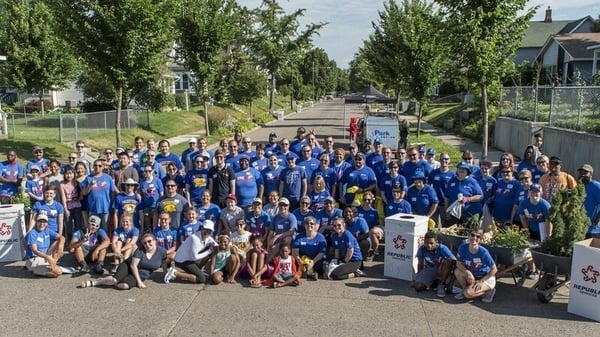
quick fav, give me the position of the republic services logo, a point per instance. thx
(590, 274)
(399, 242)
(5, 229)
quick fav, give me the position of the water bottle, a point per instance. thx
(460, 196)
(325, 270)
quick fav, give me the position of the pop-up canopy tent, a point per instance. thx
(368, 95)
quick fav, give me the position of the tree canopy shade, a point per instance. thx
(369, 95)
(485, 35)
(38, 58)
(125, 41)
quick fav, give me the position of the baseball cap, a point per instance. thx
(290, 156)
(272, 134)
(257, 201)
(193, 140)
(301, 129)
(209, 224)
(535, 187)
(377, 140)
(422, 149)
(34, 167)
(352, 146)
(284, 201)
(555, 160)
(330, 199)
(94, 219)
(418, 175)
(37, 148)
(586, 168)
(231, 196)
(463, 165)
(42, 217)
(243, 156)
(430, 152)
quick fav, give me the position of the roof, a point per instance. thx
(538, 31)
(577, 44)
(369, 95)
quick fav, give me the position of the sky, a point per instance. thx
(350, 21)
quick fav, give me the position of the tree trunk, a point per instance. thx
(485, 117)
(118, 116)
(250, 107)
(272, 95)
(206, 116)
(42, 102)
(419, 119)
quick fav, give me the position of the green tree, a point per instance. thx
(38, 58)
(409, 49)
(361, 72)
(596, 25)
(485, 35)
(245, 83)
(276, 41)
(124, 40)
(319, 72)
(206, 28)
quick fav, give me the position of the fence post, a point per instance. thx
(552, 91)
(105, 122)
(60, 128)
(14, 127)
(76, 127)
(536, 105)
(128, 120)
(148, 118)
(516, 105)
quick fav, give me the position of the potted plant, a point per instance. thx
(456, 235)
(509, 245)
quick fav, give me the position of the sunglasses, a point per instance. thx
(72, 157)
(336, 226)
(444, 158)
(171, 185)
(147, 242)
(94, 225)
(475, 235)
(305, 203)
(524, 178)
(467, 158)
(148, 171)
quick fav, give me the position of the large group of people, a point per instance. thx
(273, 211)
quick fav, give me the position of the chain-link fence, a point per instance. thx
(69, 127)
(575, 108)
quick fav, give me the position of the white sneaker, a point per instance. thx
(169, 275)
(489, 296)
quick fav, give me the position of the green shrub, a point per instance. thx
(180, 100)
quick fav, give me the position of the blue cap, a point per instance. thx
(290, 156)
(418, 175)
(535, 187)
(430, 152)
(463, 165)
(243, 156)
(422, 149)
(377, 141)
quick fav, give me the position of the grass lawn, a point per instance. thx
(44, 130)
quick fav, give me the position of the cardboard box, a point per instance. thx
(12, 229)
(584, 294)
(404, 233)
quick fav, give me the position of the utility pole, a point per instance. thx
(313, 81)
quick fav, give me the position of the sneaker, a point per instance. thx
(114, 268)
(169, 275)
(98, 269)
(456, 290)
(441, 291)
(459, 296)
(489, 296)
(83, 268)
(360, 273)
(370, 258)
(532, 275)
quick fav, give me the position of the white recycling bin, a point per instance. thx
(12, 229)
(404, 233)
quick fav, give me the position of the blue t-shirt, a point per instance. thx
(468, 187)
(310, 247)
(592, 204)
(42, 240)
(324, 219)
(99, 196)
(345, 242)
(292, 182)
(247, 183)
(35, 187)
(439, 181)
(12, 171)
(371, 216)
(212, 213)
(388, 183)
(409, 168)
(488, 187)
(166, 238)
(126, 204)
(281, 224)
(259, 164)
(381, 168)
(187, 229)
(42, 164)
(164, 161)
(52, 210)
(534, 214)
(363, 178)
(479, 264)
(421, 200)
(271, 179)
(150, 192)
(434, 259)
(317, 199)
(393, 207)
(329, 176)
(198, 181)
(309, 166)
(93, 240)
(300, 218)
(122, 235)
(372, 159)
(359, 227)
(504, 199)
(258, 224)
(233, 162)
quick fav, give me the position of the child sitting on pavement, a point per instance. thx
(225, 262)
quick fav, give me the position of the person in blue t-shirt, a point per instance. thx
(303, 212)
(166, 236)
(248, 182)
(534, 213)
(98, 187)
(358, 180)
(190, 226)
(43, 249)
(346, 252)
(312, 245)
(207, 210)
(438, 179)
(283, 227)
(475, 270)
(293, 183)
(53, 209)
(592, 199)
(436, 262)
(89, 246)
(258, 221)
(124, 241)
(398, 204)
(467, 188)
(358, 227)
(270, 176)
(507, 191)
(196, 181)
(422, 198)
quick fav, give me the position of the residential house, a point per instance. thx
(568, 58)
(538, 32)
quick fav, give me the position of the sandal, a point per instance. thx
(87, 284)
(276, 285)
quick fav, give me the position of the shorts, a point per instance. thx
(428, 275)
(38, 265)
(491, 282)
(285, 276)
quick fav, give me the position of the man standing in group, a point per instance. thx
(165, 157)
(39, 161)
(272, 147)
(124, 171)
(592, 199)
(328, 147)
(172, 203)
(11, 177)
(188, 154)
(555, 179)
(358, 180)
(293, 183)
(221, 180)
(83, 156)
(98, 187)
(299, 141)
(415, 164)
